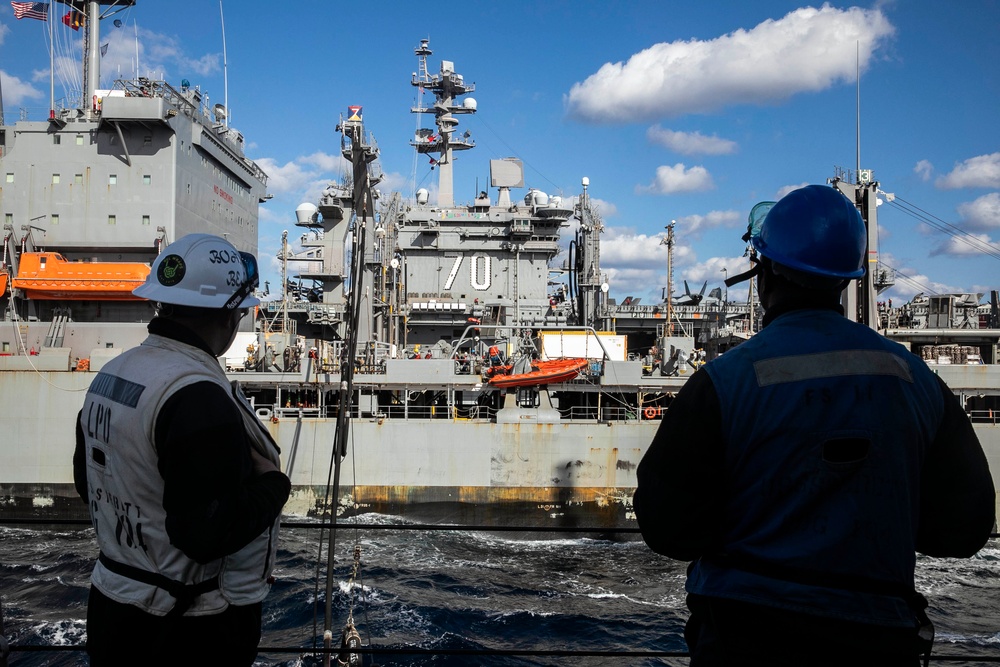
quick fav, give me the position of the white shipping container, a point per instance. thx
(583, 345)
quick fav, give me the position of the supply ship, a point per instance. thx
(438, 355)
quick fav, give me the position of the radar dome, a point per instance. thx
(469, 103)
(422, 196)
(306, 213)
(536, 198)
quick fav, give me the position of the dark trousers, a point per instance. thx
(122, 634)
(727, 632)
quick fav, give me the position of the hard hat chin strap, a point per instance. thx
(753, 272)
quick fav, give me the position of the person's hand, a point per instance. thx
(261, 464)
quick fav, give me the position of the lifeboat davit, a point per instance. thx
(542, 372)
(49, 275)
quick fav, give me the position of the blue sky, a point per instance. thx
(679, 111)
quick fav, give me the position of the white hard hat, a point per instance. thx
(204, 271)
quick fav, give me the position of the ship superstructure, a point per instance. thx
(92, 193)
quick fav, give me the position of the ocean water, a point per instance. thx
(458, 590)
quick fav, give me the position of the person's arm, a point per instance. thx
(217, 497)
(957, 498)
(680, 495)
(80, 463)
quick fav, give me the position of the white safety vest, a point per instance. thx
(126, 490)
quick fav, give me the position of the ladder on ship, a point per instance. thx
(57, 328)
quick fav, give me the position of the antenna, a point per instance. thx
(225, 67)
(857, 61)
(52, 66)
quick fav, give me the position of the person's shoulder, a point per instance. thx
(202, 391)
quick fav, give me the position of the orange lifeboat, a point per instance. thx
(543, 372)
(3, 282)
(49, 275)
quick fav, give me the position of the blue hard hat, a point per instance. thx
(816, 230)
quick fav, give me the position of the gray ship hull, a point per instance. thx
(438, 467)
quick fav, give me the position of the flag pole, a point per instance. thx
(52, 66)
(225, 66)
(1, 100)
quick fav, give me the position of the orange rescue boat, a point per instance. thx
(543, 372)
(49, 275)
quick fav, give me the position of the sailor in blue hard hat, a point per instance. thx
(801, 470)
(814, 237)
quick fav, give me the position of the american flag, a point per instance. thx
(31, 10)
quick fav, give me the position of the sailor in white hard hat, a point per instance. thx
(189, 536)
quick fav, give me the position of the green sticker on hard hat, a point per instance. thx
(171, 270)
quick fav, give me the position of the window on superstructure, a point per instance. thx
(10, 177)
(78, 179)
(79, 140)
(147, 140)
(146, 179)
(6, 346)
(113, 179)
(8, 218)
(112, 220)
(145, 219)
(55, 179)
(54, 218)
(56, 139)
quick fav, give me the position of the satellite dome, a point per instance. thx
(306, 213)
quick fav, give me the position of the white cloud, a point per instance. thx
(715, 270)
(964, 246)
(286, 178)
(924, 169)
(625, 249)
(981, 214)
(604, 207)
(159, 52)
(690, 143)
(789, 188)
(16, 91)
(807, 50)
(327, 162)
(982, 171)
(693, 225)
(671, 180)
